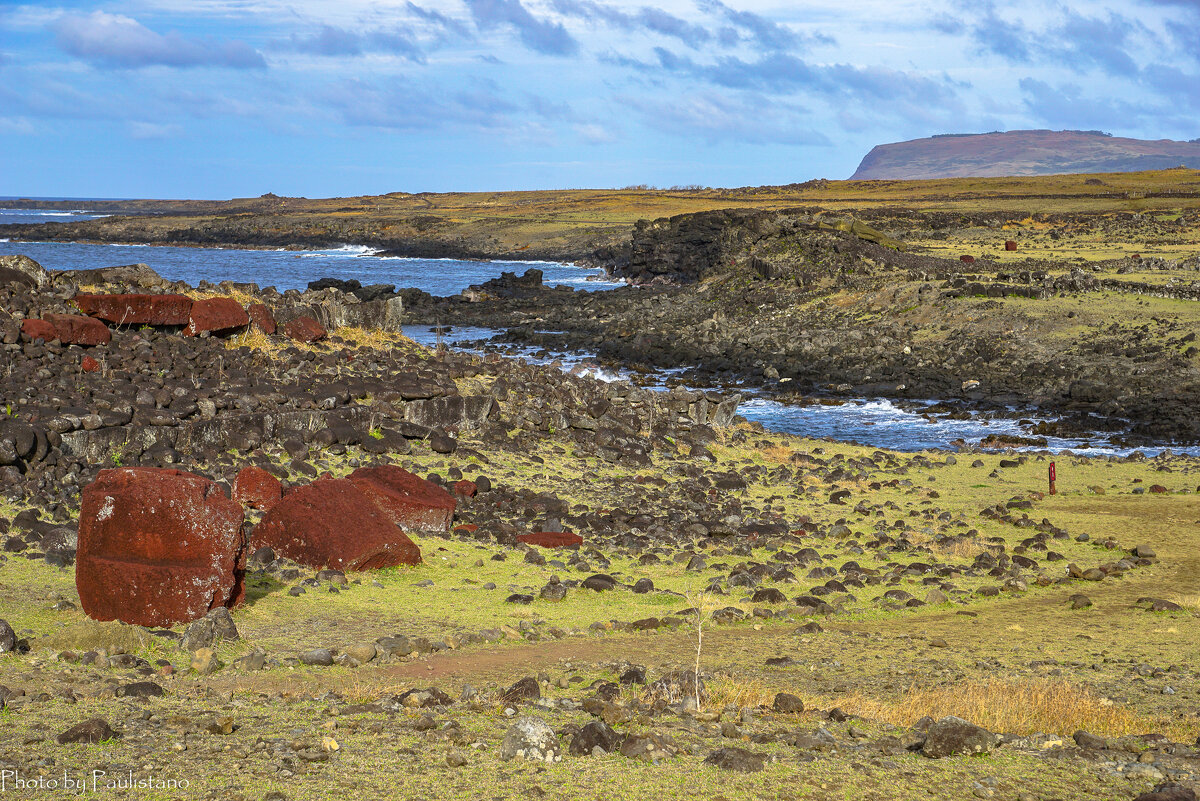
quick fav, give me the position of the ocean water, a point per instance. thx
(294, 269)
(33, 216)
(874, 422)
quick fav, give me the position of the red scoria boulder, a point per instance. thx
(73, 329)
(305, 329)
(89, 365)
(256, 488)
(408, 500)
(262, 318)
(1010, 245)
(38, 329)
(158, 547)
(465, 488)
(137, 309)
(331, 523)
(215, 315)
(551, 539)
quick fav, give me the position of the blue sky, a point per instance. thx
(235, 98)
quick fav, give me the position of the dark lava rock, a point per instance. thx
(768, 595)
(1085, 739)
(518, 598)
(441, 442)
(8, 638)
(91, 731)
(525, 689)
(786, 702)
(321, 657)
(952, 736)
(140, 689)
(1168, 792)
(554, 590)
(593, 735)
(599, 582)
(643, 586)
(736, 759)
(1080, 601)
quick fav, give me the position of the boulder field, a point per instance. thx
(151, 432)
(801, 307)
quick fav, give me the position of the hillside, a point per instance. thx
(1023, 153)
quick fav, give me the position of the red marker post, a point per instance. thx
(1052, 477)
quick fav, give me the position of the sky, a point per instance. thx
(237, 98)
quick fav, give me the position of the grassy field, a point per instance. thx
(571, 224)
(1023, 662)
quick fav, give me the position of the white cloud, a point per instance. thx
(16, 125)
(114, 40)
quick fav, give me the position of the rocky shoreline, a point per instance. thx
(774, 301)
(601, 522)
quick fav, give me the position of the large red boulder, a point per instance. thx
(408, 500)
(256, 488)
(38, 329)
(215, 315)
(158, 547)
(331, 523)
(262, 318)
(137, 309)
(74, 329)
(551, 539)
(305, 329)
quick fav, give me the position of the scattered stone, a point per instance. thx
(8, 638)
(1086, 739)
(787, 703)
(140, 689)
(95, 730)
(551, 539)
(525, 689)
(736, 759)
(319, 657)
(954, 736)
(594, 738)
(531, 739)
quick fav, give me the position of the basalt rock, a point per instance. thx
(158, 547)
(23, 270)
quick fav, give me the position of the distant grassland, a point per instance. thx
(572, 223)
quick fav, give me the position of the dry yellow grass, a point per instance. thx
(741, 692)
(352, 337)
(1015, 707)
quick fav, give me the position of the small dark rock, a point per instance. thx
(91, 731)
